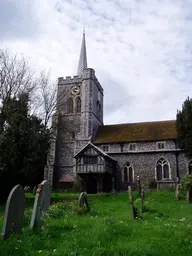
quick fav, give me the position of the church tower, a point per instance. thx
(80, 113)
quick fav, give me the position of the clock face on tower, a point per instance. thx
(75, 90)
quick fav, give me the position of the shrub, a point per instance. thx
(186, 182)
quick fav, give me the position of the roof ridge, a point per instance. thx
(147, 122)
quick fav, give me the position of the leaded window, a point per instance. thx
(162, 169)
(128, 173)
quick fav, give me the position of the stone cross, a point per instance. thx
(41, 204)
(83, 200)
(14, 212)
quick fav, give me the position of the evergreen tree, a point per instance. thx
(24, 143)
(184, 127)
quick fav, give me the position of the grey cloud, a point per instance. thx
(115, 95)
(18, 20)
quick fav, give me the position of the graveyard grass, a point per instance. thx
(107, 230)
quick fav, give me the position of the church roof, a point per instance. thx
(135, 132)
(83, 57)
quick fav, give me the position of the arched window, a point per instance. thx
(70, 105)
(128, 173)
(190, 167)
(162, 169)
(78, 105)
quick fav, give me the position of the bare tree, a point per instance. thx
(44, 100)
(16, 76)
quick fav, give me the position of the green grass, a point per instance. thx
(107, 230)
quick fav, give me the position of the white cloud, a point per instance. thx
(141, 50)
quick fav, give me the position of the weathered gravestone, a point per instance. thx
(41, 204)
(178, 191)
(139, 186)
(131, 202)
(142, 200)
(34, 190)
(83, 200)
(14, 212)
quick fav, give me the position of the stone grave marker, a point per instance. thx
(142, 200)
(131, 202)
(41, 204)
(14, 212)
(83, 200)
(139, 186)
(34, 190)
(178, 192)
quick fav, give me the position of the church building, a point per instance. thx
(105, 157)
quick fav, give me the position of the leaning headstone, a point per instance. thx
(83, 200)
(41, 204)
(14, 212)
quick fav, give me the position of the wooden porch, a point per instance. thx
(95, 169)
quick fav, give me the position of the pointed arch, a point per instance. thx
(128, 173)
(70, 105)
(78, 105)
(190, 167)
(163, 169)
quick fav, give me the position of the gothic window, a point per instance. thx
(70, 105)
(128, 173)
(78, 105)
(190, 167)
(162, 169)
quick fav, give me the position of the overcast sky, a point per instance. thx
(141, 50)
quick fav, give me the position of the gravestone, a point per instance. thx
(14, 212)
(83, 200)
(34, 190)
(139, 186)
(113, 191)
(41, 204)
(27, 189)
(142, 200)
(131, 202)
(178, 191)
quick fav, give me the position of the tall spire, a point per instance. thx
(83, 56)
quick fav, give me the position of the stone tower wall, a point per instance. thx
(75, 130)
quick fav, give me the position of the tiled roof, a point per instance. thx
(135, 132)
